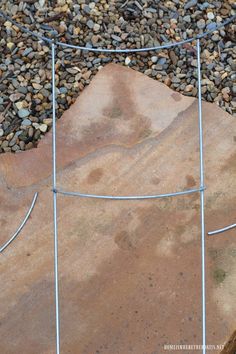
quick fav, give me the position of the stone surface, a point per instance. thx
(130, 271)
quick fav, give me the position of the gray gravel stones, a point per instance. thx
(15, 96)
(25, 63)
(27, 51)
(90, 24)
(190, 4)
(201, 23)
(26, 122)
(22, 113)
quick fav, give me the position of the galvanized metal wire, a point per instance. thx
(54, 182)
(200, 189)
(201, 170)
(53, 43)
(219, 231)
(132, 197)
(3, 247)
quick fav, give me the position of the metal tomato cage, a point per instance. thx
(55, 190)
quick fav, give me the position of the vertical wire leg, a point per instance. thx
(56, 281)
(202, 198)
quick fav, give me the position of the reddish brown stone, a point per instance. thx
(130, 271)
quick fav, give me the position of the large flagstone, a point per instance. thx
(130, 271)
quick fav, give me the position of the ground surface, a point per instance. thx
(130, 272)
(25, 66)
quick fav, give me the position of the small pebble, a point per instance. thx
(19, 105)
(27, 51)
(96, 27)
(127, 61)
(43, 128)
(26, 122)
(37, 86)
(10, 45)
(22, 113)
(190, 4)
(154, 59)
(210, 15)
(16, 96)
(90, 24)
(201, 23)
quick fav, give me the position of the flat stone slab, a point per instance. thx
(130, 271)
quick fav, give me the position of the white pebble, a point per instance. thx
(154, 59)
(43, 128)
(210, 15)
(36, 125)
(96, 27)
(127, 61)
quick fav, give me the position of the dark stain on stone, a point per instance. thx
(155, 180)
(124, 108)
(176, 96)
(3, 222)
(230, 164)
(219, 275)
(180, 229)
(145, 133)
(95, 176)
(115, 111)
(122, 239)
(121, 123)
(190, 181)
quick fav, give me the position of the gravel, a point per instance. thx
(25, 66)
(26, 122)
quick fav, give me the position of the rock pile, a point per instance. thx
(25, 66)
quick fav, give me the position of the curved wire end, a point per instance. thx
(219, 231)
(22, 224)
